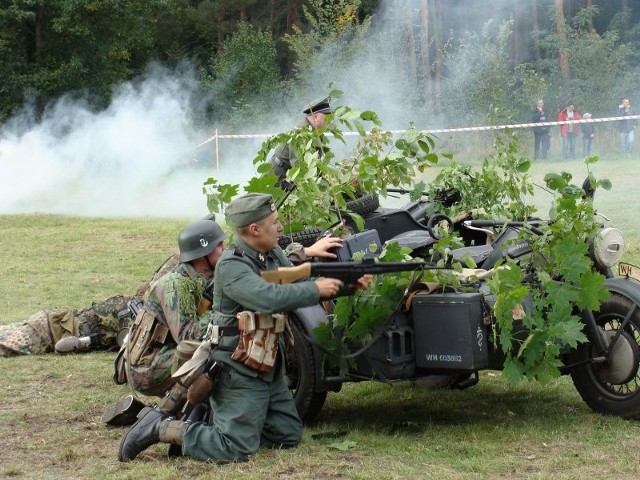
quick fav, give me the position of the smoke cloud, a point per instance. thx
(139, 157)
(146, 154)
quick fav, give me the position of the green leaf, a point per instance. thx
(343, 446)
(523, 165)
(370, 116)
(605, 183)
(512, 372)
(424, 146)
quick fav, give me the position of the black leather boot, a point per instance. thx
(144, 433)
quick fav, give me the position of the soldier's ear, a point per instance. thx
(254, 229)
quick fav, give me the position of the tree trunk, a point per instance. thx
(411, 43)
(536, 43)
(272, 16)
(624, 8)
(37, 32)
(293, 18)
(220, 32)
(425, 54)
(517, 59)
(562, 37)
(437, 38)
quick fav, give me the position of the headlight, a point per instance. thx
(608, 247)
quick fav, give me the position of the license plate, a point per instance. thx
(628, 270)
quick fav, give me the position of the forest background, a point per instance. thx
(133, 90)
(449, 61)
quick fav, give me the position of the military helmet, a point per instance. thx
(199, 239)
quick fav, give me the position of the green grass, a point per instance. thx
(49, 421)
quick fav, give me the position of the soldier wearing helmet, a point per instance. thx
(175, 311)
(174, 316)
(252, 404)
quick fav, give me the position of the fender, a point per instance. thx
(629, 287)
(310, 318)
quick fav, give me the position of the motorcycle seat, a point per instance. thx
(478, 253)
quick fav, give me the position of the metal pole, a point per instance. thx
(217, 152)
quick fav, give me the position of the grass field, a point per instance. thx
(49, 421)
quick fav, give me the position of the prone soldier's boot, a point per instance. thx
(73, 344)
(152, 427)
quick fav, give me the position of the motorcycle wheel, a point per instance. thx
(613, 387)
(301, 375)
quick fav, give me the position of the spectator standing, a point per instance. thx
(541, 133)
(626, 127)
(588, 133)
(569, 131)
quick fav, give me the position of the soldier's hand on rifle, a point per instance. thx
(322, 247)
(328, 287)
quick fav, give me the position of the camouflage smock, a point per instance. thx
(173, 300)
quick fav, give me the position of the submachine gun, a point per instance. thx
(348, 272)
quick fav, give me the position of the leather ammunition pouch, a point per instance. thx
(259, 337)
(146, 336)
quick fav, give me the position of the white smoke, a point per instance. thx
(144, 155)
(139, 157)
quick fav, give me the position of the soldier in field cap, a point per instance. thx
(315, 113)
(250, 208)
(251, 400)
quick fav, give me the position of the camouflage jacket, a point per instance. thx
(174, 298)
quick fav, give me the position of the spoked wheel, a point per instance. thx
(613, 387)
(302, 377)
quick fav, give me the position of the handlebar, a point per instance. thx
(404, 191)
(484, 224)
(500, 223)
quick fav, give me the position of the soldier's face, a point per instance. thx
(269, 230)
(215, 255)
(316, 120)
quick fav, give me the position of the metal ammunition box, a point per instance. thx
(360, 242)
(449, 332)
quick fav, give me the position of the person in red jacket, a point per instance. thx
(569, 131)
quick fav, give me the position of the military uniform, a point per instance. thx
(172, 301)
(284, 157)
(252, 409)
(40, 332)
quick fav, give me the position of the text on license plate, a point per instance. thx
(628, 270)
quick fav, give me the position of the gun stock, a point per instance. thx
(287, 274)
(348, 272)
